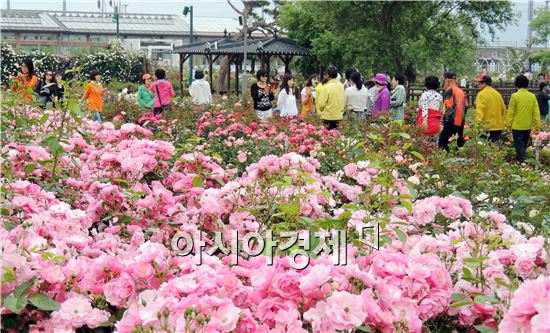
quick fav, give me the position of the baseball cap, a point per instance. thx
(484, 78)
(450, 75)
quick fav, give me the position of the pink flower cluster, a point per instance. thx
(529, 309)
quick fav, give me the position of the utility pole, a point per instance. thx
(189, 10)
(245, 72)
(116, 16)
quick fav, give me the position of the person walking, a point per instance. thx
(164, 91)
(331, 100)
(490, 109)
(46, 89)
(543, 98)
(398, 98)
(145, 97)
(287, 100)
(456, 104)
(464, 82)
(381, 105)
(200, 89)
(25, 81)
(262, 96)
(308, 94)
(357, 97)
(429, 107)
(523, 114)
(94, 94)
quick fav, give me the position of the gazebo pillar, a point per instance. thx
(253, 66)
(183, 57)
(229, 75)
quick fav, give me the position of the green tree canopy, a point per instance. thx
(393, 35)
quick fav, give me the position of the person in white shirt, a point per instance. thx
(357, 97)
(200, 90)
(464, 82)
(287, 100)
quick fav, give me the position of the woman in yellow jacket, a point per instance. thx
(523, 114)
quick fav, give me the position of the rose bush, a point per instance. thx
(91, 248)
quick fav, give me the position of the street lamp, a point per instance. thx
(189, 10)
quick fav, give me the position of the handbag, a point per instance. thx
(450, 113)
(163, 106)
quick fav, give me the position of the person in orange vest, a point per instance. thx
(94, 94)
(456, 104)
(25, 81)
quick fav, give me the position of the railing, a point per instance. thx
(506, 91)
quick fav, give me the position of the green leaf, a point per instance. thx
(457, 296)
(5, 211)
(401, 235)
(23, 288)
(197, 181)
(30, 168)
(9, 274)
(44, 302)
(386, 239)
(15, 304)
(404, 135)
(8, 225)
(44, 118)
(461, 303)
(418, 155)
(407, 204)
(481, 299)
(364, 328)
(484, 329)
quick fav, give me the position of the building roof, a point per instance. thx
(102, 23)
(267, 45)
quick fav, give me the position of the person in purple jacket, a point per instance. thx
(163, 91)
(382, 100)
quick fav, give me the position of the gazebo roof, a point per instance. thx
(268, 45)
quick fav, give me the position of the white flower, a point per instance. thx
(482, 197)
(414, 180)
(483, 214)
(533, 213)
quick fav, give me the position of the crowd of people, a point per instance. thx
(438, 115)
(441, 116)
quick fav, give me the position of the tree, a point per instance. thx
(540, 25)
(541, 30)
(393, 35)
(261, 17)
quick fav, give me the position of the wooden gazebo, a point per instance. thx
(263, 49)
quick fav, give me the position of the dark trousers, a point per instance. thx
(449, 129)
(331, 124)
(493, 136)
(521, 139)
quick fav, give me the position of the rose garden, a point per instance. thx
(205, 219)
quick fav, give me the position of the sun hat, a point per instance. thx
(484, 78)
(380, 78)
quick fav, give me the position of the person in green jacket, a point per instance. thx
(523, 114)
(146, 97)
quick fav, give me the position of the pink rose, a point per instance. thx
(345, 310)
(524, 266)
(118, 290)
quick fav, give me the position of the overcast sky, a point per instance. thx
(220, 8)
